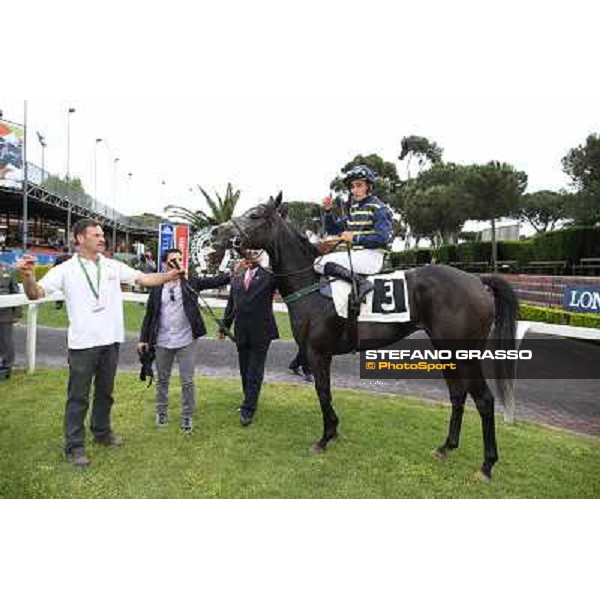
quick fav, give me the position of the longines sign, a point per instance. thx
(582, 299)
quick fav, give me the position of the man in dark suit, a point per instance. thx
(250, 306)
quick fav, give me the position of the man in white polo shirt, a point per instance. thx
(91, 284)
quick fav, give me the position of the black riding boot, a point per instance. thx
(363, 285)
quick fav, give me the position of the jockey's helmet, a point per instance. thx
(360, 172)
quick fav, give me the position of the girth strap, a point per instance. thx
(309, 289)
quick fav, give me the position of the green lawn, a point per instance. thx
(383, 450)
(49, 316)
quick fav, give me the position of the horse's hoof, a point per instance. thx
(439, 454)
(481, 476)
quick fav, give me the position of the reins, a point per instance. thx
(218, 321)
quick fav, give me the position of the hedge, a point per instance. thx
(568, 244)
(571, 245)
(447, 254)
(417, 256)
(556, 316)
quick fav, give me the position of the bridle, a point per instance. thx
(237, 241)
(242, 240)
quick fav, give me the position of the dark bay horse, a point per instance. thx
(447, 303)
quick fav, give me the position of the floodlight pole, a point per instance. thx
(25, 175)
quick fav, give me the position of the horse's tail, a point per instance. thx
(505, 328)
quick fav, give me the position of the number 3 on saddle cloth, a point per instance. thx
(387, 303)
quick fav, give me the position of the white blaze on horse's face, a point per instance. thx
(222, 236)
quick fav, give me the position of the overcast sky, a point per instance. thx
(277, 95)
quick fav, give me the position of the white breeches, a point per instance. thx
(365, 262)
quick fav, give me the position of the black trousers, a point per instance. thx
(252, 360)
(98, 364)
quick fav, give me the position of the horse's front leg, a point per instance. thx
(321, 366)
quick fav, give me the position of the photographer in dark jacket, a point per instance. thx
(172, 325)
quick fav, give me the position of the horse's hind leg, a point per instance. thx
(321, 366)
(458, 395)
(484, 400)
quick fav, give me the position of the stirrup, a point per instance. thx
(354, 302)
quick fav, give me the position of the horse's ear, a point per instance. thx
(278, 199)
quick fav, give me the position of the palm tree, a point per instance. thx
(221, 209)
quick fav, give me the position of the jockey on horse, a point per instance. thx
(368, 228)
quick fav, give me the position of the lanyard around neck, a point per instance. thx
(90, 284)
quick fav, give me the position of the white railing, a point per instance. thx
(14, 300)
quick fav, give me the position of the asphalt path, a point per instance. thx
(567, 404)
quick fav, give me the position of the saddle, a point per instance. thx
(387, 303)
(328, 245)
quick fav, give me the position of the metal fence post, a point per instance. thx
(510, 401)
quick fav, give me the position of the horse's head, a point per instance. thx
(254, 229)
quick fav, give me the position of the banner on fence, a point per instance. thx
(582, 299)
(174, 236)
(11, 154)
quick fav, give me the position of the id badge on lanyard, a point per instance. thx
(98, 307)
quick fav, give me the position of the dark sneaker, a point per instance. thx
(187, 424)
(78, 458)
(245, 419)
(110, 440)
(161, 419)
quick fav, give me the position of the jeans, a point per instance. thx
(186, 358)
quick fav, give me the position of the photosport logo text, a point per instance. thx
(401, 362)
(546, 357)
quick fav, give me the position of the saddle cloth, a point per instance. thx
(387, 303)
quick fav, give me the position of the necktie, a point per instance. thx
(248, 278)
